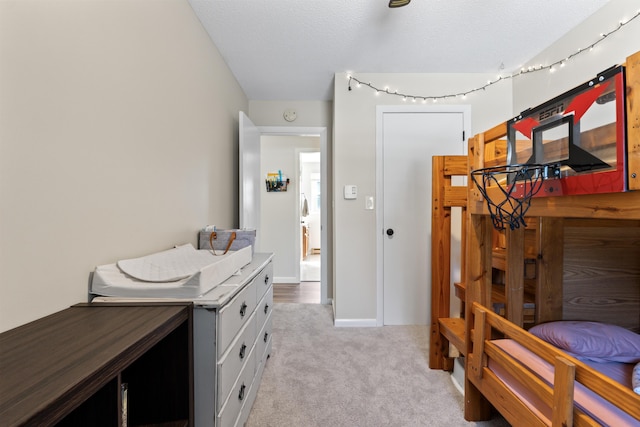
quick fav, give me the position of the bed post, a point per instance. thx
(565, 374)
(477, 360)
(445, 330)
(632, 77)
(514, 282)
(549, 279)
(478, 277)
(440, 265)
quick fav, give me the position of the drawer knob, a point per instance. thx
(241, 394)
(266, 336)
(266, 308)
(242, 350)
(243, 309)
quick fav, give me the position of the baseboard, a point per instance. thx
(457, 376)
(355, 323)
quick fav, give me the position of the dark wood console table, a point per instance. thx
(72, 368)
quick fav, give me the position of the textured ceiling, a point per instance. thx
(290, 49)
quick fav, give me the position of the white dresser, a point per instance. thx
(232, 341)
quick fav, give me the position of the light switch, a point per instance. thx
(368, 203)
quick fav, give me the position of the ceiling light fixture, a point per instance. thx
(398, 3)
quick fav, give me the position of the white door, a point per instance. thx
(409, 141)
(249, 153)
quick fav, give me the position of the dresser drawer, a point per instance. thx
(234, 359)
(253, 393)
(263, 341)
(264, 280)
(234, 315)
(239, 393)
(265, 306)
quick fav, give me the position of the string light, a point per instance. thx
(531, 69)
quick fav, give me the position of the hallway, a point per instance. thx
(304, 292)
(310, 268)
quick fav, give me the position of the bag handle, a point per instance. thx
(214, 236)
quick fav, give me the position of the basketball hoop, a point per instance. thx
(517, 185)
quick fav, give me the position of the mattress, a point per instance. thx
(603, 411)
(181, 272)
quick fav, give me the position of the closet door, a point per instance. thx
(409, 141)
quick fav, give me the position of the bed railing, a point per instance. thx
(558, 396)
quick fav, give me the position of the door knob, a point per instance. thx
(389, 232)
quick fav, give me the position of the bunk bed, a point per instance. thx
(586, 269)
(531, 382)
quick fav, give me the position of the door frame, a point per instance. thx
(322, 133)
(381, 110)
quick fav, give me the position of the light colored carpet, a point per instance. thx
(319, 375)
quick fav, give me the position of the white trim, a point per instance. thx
(333, 311)
(379, 219)
(324, 176)
(380, 111)
(457, 376)
(355, 323)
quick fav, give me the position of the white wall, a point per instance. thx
(118, 137)
(533, 89)
(309, 113)
(279, 211)
(354, 149)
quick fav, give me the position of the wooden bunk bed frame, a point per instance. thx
(558, 396)
(560, 220)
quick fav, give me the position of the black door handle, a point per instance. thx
(389, 232)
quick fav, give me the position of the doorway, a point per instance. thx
(407, 139)
(310, 215)
(251, 206)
